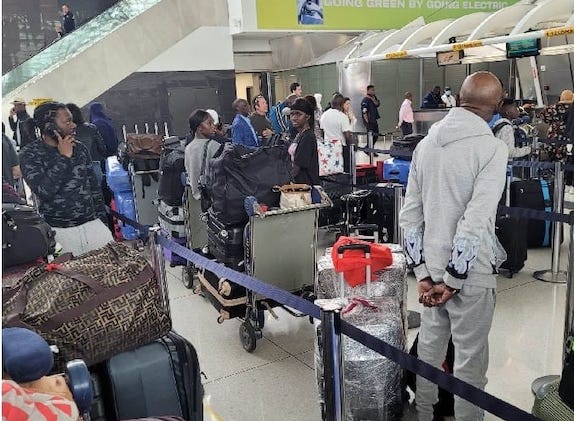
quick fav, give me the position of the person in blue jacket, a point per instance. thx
(433, 99)
(105, 126)
(242, 132)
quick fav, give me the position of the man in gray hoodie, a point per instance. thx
(456, 180)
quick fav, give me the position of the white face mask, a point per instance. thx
(447, 93)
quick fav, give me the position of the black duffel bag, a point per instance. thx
(403, 148)
(240, 172)
(171, 165)
(25, 235)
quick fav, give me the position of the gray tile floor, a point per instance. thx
(277, 381)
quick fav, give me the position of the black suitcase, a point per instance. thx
(171, 166)
(228, 298)
(401, 148)
(225, 242)
(512, 233)
(335, 186)
(381, 210)
(158, 379)
(534, 194)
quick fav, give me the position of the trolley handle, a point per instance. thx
(366, 227)
(365, 247)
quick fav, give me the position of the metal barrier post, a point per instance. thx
(158, 263)
(370, 145)
(398, 235)
(333, 378)
(554, 274)
(353, 164)
(569, 316)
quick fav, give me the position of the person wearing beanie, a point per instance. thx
(58, 169)
(303, 150)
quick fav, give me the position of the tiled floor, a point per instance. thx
(277, 381)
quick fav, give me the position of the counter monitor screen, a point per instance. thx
(523, 48)
(447, 58)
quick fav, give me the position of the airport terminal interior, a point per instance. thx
(151, 63)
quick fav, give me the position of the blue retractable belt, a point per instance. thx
(547, 208)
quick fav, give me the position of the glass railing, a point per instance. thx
(75, 43)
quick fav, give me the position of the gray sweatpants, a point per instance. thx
(468, 317)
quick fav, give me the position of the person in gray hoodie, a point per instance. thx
(456, 180)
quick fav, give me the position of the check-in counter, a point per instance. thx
(426, 118)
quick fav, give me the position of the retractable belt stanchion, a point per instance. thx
(158, 263)
(333, 373)
(554, 274)
(398, 237)
(353, 164)
(370, 145)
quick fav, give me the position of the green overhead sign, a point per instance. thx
(359, 15)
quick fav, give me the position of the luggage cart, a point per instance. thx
(280, 248)
(195, 232)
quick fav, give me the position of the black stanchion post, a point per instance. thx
(398, 236)
(332, 359)
(158, 263)
(353, 164)
(554, 274)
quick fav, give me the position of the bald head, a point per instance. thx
(481, 93)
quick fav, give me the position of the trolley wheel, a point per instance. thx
(258, 318)
(248, 336)
(187, 276)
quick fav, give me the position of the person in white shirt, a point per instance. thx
(448, 98)
(336, 126)
(406, 115)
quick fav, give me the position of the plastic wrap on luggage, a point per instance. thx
(389, 282)
(373, 388)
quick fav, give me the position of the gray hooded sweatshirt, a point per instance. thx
(455, 183)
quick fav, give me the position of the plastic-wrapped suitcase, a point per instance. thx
(145, 184)
(126, 206)
(117, 178)
(171, 219)
(396, 169)
(158, 379)
(548, 406)
(373, 384)
(225, 243)
(335, 186)
(390, 281)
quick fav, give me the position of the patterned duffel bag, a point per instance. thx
(92, 307)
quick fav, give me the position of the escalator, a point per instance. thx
(108, 48)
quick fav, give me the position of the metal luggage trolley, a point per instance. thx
(195, 232)
(280, 248)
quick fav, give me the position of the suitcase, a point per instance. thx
(126, 206)
(534, 194)
(226, 243)
(397, 170)
(381, 210)
(405, 145)
(366, 174)
(512, 233)
(171, 165)
(161, 378)
(145, 176)
(335, 186)
(356, 209)
(548, 406)
(171, 219)
(373, 383)
(228, 298)
(117, 178)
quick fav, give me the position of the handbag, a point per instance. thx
(102, 303)
(330, 155)
(294, 195)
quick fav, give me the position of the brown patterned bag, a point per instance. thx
(95, 306)
(144, 145)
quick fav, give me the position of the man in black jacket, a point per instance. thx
(68, 21)
(18, 115)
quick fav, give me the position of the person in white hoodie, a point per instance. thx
(455, 183)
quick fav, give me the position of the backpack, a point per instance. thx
(171, 165)
(278, 120)
(205, 181)
(521, 139)
(401, 148)
(144, 145)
